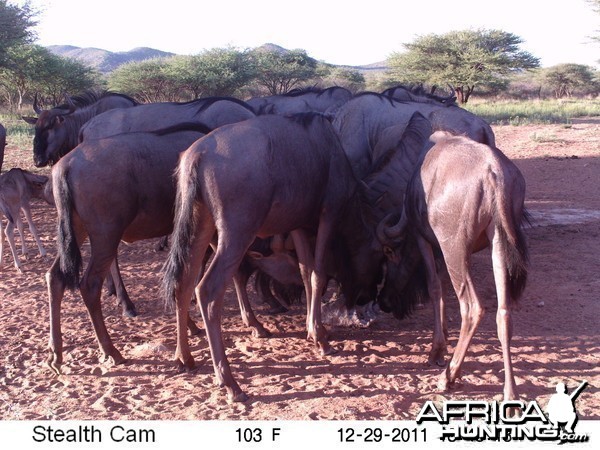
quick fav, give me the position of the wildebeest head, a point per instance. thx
(357, 255)
(57, 129)
(393, 173)
(364, 244)
(51, 133)
(405, 282)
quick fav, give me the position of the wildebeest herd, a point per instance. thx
(385, 194)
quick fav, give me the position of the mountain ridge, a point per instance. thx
(106, 61)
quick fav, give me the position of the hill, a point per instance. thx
(105, 61)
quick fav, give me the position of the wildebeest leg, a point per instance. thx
(103, 252)
(231, 249)
(435, 292)
(258, 330)
(503, 315)
(56, 290)
(319, 283)
(162, 244)
(10, 237)
(317, 280)
(185, 289)
(56, 284)
(33, 229)
(120, 291)
(457, 258)
(306, 264)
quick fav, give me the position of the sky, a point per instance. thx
(338, 32)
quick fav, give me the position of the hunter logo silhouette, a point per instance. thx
(561, 407)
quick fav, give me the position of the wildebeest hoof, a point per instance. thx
(436, 358)
(117, 360)
(194, 330)
(54, 365)
(261, 332)
(238, 398)
(276, 310)
(444, 383)
(130, 313)
(186, 365)
(439, 361)
(327, 350)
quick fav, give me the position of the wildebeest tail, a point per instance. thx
(510, 221)
(68, 250)
(183, 231)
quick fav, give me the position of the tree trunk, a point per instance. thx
(460, 94)
(463, 93)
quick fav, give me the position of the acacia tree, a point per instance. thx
(565, 79)
(148, 81)
(32, 68)
(20, 73)
(280, 71)
(15, 27)
(462, 59)
(215, 72)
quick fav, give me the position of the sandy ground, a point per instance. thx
(378, 372)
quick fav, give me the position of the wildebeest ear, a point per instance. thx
(390, 254)
(30, 120)
(59, 119)
(254, 255)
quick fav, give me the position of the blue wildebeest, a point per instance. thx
(88, 117)
(112, 189)
(359, 124)
(445, 114)
(57, 129)
(301, 100)
(361, 121)
(121, 188)
(266, 176)
(17, 188)
(210, 111)
(464, 196)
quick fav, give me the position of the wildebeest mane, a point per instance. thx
(90, 97)
(302, 91)
(206, 102)
(419, 95)
(184, 126)
(387, 98)
(312, 90)
(306, 118)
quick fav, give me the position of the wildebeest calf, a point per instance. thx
(17, 187)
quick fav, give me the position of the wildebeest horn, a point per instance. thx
(70, 104)
(36, 107)
(389, 234)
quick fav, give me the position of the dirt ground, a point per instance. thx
(378, 372)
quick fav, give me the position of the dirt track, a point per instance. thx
(379, 372)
